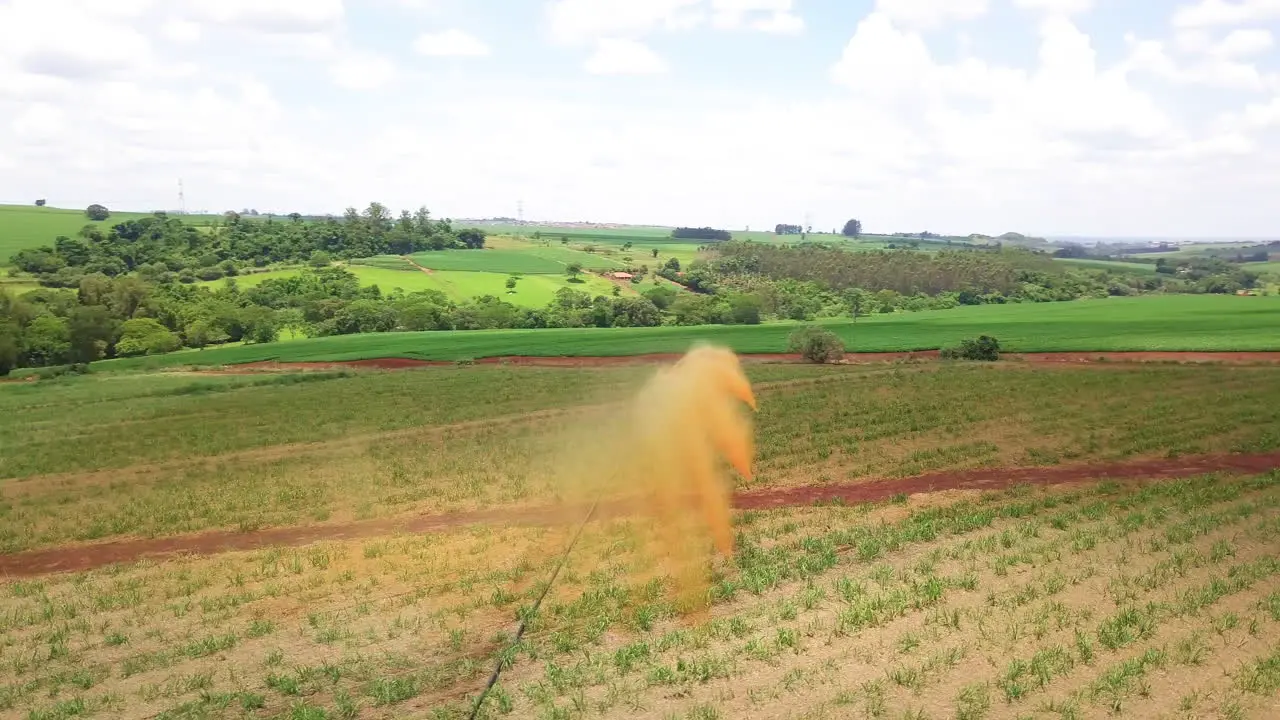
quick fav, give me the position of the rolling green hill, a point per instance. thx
(27, 226)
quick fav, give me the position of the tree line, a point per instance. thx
(702, 233)
(163, 248)
(122, 316)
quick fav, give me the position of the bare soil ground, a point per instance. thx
(93, 555)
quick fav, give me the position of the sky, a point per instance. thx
(1136, 118)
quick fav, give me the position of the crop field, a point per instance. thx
(324, 572)
(1131, 267)
(530, 291)
(1272, 268)
(392, 273)
(1147, 323)
(494, 261)
(26, 226)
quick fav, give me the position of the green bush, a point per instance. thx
(985, 348)
(816, 344)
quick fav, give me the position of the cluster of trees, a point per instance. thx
(1205, 275)
(122, 316)
(702, 233)
(814, 281)
(904, 272)
(852, 228)
(164, 249)
(781, 229)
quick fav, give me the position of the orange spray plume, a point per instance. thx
(665, 461)
(687, 418)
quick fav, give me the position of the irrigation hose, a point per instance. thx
(533, 611)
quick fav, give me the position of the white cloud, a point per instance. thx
(926, 14)
(1205, 63)
(181, 31)
(39, 121)
(910, 135)
(42, 38)
(1254, 117)
(271, 16)
(450, 43)
(1244, 42)
(1058, 7)
(580, 21)
(780, 23)
(768, 16)
(1024, 120)
(586, 20)
(363, 71)
(1215, 13)
(621, 56)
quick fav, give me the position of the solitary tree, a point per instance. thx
(853, 228)
(655, 252)
(97, 212)
(573, 270)
(40, 202)
(816, 344)
(511, 283)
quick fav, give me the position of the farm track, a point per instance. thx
(95, 555)
(1049, 358)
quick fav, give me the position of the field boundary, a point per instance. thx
(1043, 358)
(88, 556)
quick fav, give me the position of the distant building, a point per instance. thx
(622, 276)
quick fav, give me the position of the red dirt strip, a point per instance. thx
(849, 359)
(95, 555)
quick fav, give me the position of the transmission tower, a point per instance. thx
(182, 198)
(520, 212)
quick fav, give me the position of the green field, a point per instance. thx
(1119, 265)
(532, 291)
(530, 260)
(26, 226)
(1160, 322)
(393, 273)
(16, 285)
(1111, 599)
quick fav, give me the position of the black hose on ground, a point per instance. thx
(524, 621)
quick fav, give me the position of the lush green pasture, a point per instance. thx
(391, 273)
(1270, 268)
(530, 291)
(1108, 600)
(27, 226)
(493, 261)
(1119, 265)
(1156, 322)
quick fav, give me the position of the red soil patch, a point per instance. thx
(89, 556)
(998, 478)
(850, 359)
